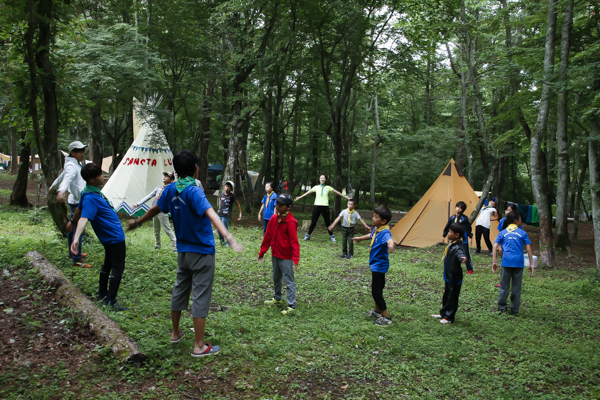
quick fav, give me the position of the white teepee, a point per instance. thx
(142, 167)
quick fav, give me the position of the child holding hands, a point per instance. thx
(381, 245)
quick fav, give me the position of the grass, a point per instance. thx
(328, 349)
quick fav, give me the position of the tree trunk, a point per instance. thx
(38, 57)
(14, 151)
(486, 189)
(267, 111)
(297, 130)
(18, 197)
(562, 188)
(539, 175)
(205, 131)
(578, 198)
(378, 140)
(96, 147)
(68, 297)
(594, 165)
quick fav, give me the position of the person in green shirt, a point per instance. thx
(321, 206)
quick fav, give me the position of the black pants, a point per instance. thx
(450, 301)
(347, 243)
(316, 211)
(114, 262)
(482, 230)
(377, 286)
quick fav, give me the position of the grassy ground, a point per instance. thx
(328, 349)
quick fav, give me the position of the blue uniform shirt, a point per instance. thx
(104, 219)
(501, 224)
(512, 247)
(270, 208)
(192, 227)
(378, 256)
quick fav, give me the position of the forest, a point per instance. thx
(377, 94)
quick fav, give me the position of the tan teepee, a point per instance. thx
(424, 224)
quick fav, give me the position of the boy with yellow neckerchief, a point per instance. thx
(512, 239)
(268, 205)
(349, 218)
(381, 245)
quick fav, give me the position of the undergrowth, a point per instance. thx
(329, 349)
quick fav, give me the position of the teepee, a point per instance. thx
(142, 167)
(424, 224)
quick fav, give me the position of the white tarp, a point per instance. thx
(142, 167)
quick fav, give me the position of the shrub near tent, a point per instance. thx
(142, 167)
(424, 224)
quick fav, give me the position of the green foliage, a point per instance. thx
(328, 348)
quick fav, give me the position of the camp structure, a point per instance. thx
(142, 167)
(424, 224)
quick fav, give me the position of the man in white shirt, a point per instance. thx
(70, 184)
(482, 225)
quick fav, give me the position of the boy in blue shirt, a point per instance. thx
(381, 245)
(94, 207)
(461, 218)
(454, 255)
(512, 239)
(192, 217)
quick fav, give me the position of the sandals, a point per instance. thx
(181, 335)
(210, 351)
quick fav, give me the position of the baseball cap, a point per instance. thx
(76, 145)
(170, 175)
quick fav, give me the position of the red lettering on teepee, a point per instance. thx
(148, 161)
(170, 162)
(142, 161)
(130, 161)
(125, 162)
(136, 161)
(154, 163)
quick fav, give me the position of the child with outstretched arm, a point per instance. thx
(226, 201)
(192, 217)
(381, 245)
(512, 239)
(454, 255)
(95, 207)
(348, 218)
(461, 218)
(282, 237)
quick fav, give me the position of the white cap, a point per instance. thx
(76, 145)
(232, 185)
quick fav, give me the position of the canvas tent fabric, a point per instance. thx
(424, 224)
(142, 167)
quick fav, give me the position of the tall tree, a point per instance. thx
(539, 175)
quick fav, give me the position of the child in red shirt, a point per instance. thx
(282, 237)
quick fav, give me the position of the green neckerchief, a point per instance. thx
(322, 188)
(93, 189)
(182, 183)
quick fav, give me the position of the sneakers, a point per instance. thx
(332, 238)
(373, 314)
(288, 311)
(445, 321)
(272, 302)
(343, 256)
(382, 321)
(350, 256)
(112, 303)
(436, 316)
(156, 247)
(81, 265)
(306, 237)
